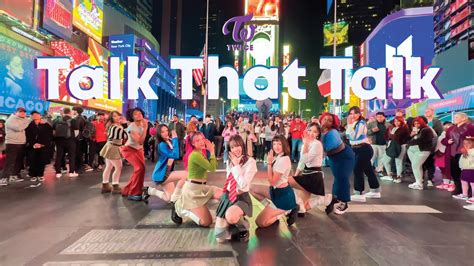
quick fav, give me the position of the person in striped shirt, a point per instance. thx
(111, 153)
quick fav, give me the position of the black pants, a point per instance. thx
(219, 142)
(455, 173)
(36, 157)
(14, 161)
(100, 145)
(64, 146)
(81, 149)
(259, 150)
(429, 166)
(363, 154)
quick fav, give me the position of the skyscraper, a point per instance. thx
(167, 26)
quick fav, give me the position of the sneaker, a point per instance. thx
(451, 187)
(74, 174)
(430, 183)
(291, 217)
(174, 215)
(16, 179)
(223, 237)
(88, 169)
(58, 175)
(443, 186)
(341, 208)
(380, 174)
(40, 179)
(358, 198)
(415, 186)
(373, 195)
(145, 195)
(461, 197)
(469, 207)
(3, 182)
(134, 198)
(470, 200)
(387, 178)
(397, 180)
(33, 179)
(63, 171)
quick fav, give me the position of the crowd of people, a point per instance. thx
(376, 148)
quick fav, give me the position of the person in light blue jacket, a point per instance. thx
(163, 174)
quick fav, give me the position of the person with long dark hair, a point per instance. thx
(196, 193)
(270, 132)
(235, 202)
(357, 132)
(163, 174)
(111, 153)
(228, 132)
(419, 148)
(341, 160)
(279, 198)
(309, 176)
(399, 135)
(133, 152)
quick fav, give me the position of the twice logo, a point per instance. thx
(241, 35)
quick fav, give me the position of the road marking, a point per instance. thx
(381, 208)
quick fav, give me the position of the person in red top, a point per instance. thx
(99, 139)
(296, 130)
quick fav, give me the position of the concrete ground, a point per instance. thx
(68, 222)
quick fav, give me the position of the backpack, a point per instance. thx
(63, 129)
(394, 149)
(89, 130)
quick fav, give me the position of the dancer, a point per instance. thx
(195, 192)
(399, 136)
(236, 203)
(282, 197)
(163, 175)
(134, 154)
(357, 132)
(111, 152)
(341, 160)
(309, 176)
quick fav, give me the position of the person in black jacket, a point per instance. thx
(39, 137)
(420, 147)
(209, 129)
(81, 142)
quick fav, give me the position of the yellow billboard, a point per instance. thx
(88, 16)
(342, 33)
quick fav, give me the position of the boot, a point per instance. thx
(106, 188)
(116, 189)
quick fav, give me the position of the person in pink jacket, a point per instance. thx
(228, 132)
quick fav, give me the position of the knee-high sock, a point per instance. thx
(176, 194)
(158, 193)
(190, 215)
(320, 201)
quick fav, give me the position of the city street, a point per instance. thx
(68, 222)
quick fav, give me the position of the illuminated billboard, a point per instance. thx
(19, 9)
(77, 57)
(264, 46)
(407, 33)
(88, 16)
(99, 57)
(57, 17)
(342, 33)
(263, 8)
(21, 85)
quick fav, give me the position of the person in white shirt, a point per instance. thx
(235, 202)
(309, 176)
(279, 199)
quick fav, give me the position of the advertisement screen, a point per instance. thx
(122, 45)
(99, 57)
(20, 9)
(57, 17)
(88, 16)
(342, 33)
(21, 85)
(264, 46)
(77, 57)
(263, 8)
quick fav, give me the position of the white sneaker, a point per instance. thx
(461, 197)
(40, 178)
(373, 195)
(469, 207)
(397, 180)
(33, 179)
(73, 174)
(415, 186)
(358, 198)
(16, 179)
(3, 182)
(430, 183)
(58, 175)
(386, 178)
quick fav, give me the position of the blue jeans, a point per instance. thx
(342, 164)
(226, 147)
(296, 146)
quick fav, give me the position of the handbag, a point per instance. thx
(393, 149)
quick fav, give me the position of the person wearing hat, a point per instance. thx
(15, 140)
(39, 136)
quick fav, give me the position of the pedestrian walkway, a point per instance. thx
(67, 221)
